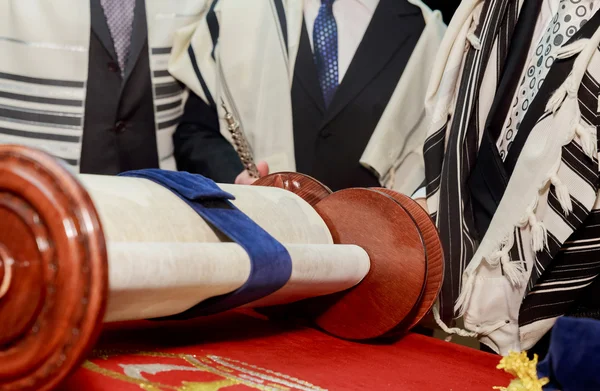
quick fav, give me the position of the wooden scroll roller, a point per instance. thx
(79, 251)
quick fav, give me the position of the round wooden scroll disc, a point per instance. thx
(396, 279)
(307, 188)
(52, 246)
(433, 251)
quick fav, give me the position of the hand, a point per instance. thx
(245, 179)
(422, 203)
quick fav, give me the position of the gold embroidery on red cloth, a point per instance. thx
(232, 372)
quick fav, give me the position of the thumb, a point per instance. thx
(263, 168)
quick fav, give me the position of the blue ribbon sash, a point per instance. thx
(270, 262)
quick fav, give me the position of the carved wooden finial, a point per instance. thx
(307, 188)
(54, 273)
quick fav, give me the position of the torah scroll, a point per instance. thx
(80, 250)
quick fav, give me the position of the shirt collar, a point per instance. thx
(371, 5)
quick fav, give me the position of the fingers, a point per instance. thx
(422, 203)
(263, 168)
(244, 179)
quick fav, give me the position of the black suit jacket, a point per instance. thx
(119, 132)
(446, 7)
(328, 141)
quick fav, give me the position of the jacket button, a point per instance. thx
(120, 126)
(113, 66)
(325, 134)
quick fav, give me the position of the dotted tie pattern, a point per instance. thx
(119, 16)
(325, 49)
(570, 17)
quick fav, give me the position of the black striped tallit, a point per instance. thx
(562, 272)
(447, 169)
(42, 112)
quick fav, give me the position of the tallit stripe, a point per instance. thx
(44, 82)
(66, 151)
(164, 50)
(169, 106)
(167, 89)
(573, 219)
(164, 73)
(433, 151)
(205, 89)
(574, 158)
(574, 269)
(72, 162)
(162, 159)
(38, 135)
(520, 252)
(504, 37)
(173, 122)
(12, 114)
(282, 21)
(213, 26)
(561, 283)
(40, 99)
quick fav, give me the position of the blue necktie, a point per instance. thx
(325, 51)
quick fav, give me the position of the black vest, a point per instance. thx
(119, 132)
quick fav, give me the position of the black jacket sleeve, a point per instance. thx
(200, 148)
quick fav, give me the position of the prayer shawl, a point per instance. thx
(243, 53)
(540, 250)
(44, 67)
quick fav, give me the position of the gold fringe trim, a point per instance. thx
(525, 371)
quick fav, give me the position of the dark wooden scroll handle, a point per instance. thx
(53, 271)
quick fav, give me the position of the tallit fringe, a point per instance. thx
(474, 41)
(562, 193)
(587, 138)
(568, 88)
(454, 330)
(512, 270)
(538, 236)
(538, 229)
(556, 99)
(572, 49)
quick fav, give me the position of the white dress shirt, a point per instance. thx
(352, 18)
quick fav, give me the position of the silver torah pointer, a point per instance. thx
(240, 143)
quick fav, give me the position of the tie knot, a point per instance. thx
(327, 3)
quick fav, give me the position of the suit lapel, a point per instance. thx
(294, 16)
(306, 70)
(100, 27)
(389, 28)
(138, 37)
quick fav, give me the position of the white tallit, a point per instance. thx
(254, 80)
(44, 46)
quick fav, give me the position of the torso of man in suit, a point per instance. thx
(329, 137)
(119, 129)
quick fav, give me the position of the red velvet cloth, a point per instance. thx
(237, 351)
